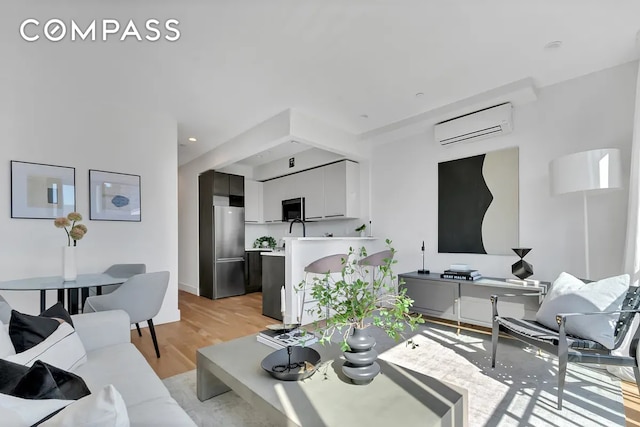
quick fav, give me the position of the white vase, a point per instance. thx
(363, 233)
(69, 271)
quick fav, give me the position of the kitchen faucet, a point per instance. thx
(304, 228)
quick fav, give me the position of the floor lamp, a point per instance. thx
(585, 172)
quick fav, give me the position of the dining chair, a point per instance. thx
(5, 311)
(141, 296)
(120, 271)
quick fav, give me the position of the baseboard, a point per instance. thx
(166, 316)
(188, 288)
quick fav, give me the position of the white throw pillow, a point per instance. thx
(6, 346)
(62, 349)
(569, 294)
(17, 412)
(106, 408)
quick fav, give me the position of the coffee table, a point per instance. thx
(397, 396)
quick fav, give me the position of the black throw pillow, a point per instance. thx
(58, 311)
(40, 381)
(10, 374)
(27, 331)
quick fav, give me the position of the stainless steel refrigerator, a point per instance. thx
(228, 251)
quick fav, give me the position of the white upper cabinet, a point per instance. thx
(253, 205)
(342, 190)
(291, 187)
(330, 192)
(313, 181)
(273, 196)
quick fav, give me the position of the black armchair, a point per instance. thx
(569, 348)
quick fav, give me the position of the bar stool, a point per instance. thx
(376, 260)
(325, 265)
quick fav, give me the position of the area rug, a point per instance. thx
(228, 409)
(521, 390)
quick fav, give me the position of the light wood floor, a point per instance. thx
(205, 322)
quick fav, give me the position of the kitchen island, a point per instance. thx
(302, 251)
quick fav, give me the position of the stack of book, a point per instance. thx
(279, 339)
(461, 272)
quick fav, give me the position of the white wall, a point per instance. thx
(590, 112)
(87, 136)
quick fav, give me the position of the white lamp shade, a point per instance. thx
(586, 171)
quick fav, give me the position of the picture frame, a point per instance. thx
(478, 203)
(42, 191)
(114, 196)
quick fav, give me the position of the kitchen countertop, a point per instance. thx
(258, 249)
(274, 253)
(331, 238)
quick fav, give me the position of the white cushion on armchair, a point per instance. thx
(569, 294)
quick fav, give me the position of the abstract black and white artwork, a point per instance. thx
(42, 191)
(114, 196)
(478, 204)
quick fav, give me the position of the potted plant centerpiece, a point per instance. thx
(365, 294)
(74, 231)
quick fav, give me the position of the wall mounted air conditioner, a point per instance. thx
(492, 121)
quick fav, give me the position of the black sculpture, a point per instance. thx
(521, 269)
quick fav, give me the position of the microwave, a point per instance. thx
(293, 209)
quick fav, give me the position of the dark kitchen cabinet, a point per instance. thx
(272, 281)
(253, 271)
(236, 185)
(220, 184)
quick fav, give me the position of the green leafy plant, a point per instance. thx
(271, 242)
(362, 296)
(361, 228)
(71, 227)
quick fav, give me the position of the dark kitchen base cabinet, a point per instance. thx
(469, 302)
(253, 271)
(272, 281)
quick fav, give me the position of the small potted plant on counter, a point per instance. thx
(361, 230)
(265, 242)
(365, 294)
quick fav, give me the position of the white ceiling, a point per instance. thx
(283, 150)
(239, 62)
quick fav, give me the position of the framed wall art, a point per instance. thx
(478, 204)
(114, 196)
(42, 191)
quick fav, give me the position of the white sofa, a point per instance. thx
(112, 359)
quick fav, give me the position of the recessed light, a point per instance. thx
(192, 139)
(364, 116)
(553, 44)
(419, 94)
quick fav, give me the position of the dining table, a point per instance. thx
(77, 290)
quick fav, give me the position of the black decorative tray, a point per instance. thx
(292, 363)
